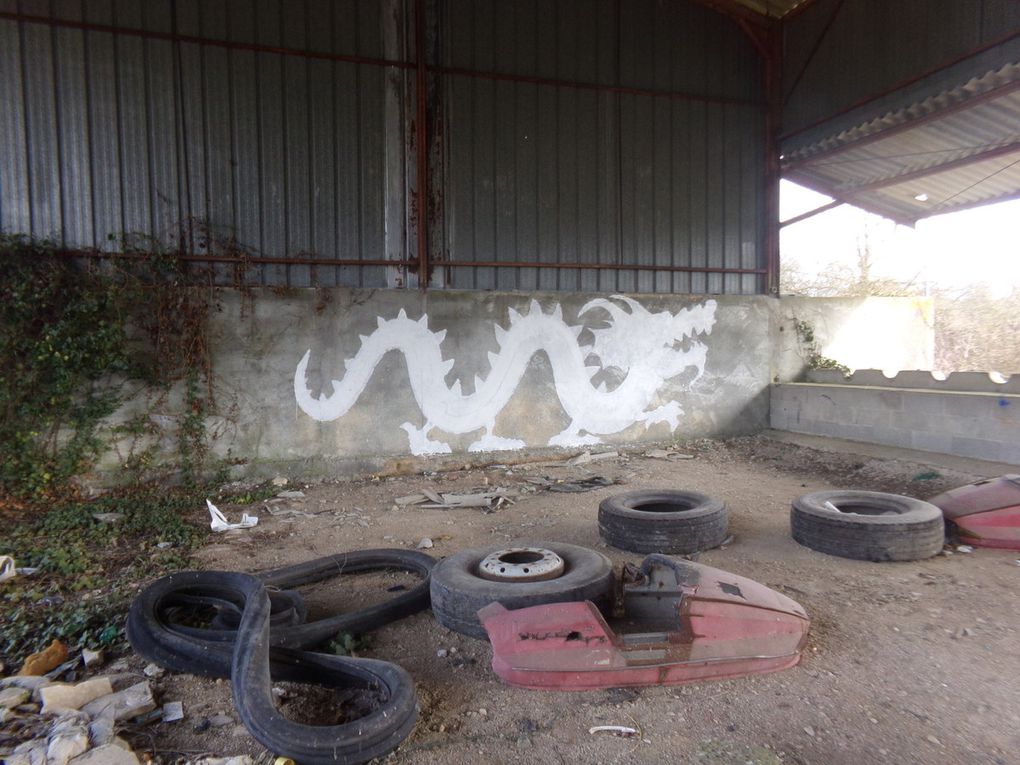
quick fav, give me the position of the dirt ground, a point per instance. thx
(907, 662)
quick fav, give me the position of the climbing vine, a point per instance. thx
(809, 343)
(79, 336)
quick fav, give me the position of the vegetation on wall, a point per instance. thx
(78, 336)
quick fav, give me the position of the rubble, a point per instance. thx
(49, 658)
(64, 697)
(130, 702)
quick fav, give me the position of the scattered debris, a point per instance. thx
(424, 544)
(665, 454)
(164, 545)
(279, 481)
(617, 730)
(219, 521)
(173, 711)
(49, 658)
(928, 475)
(153, 670)
(964, 549)
(7, 569)
(585, 457)
(108, 517)
(65, 697)
(488, 500)
(122, 705)
(291, 495)
(582, 485)
(809, 730)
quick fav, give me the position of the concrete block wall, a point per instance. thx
(980, 424)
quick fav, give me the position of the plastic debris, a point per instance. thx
(586, 484)
(585, 457)
(49, 658)
(173, 711)
(220, 523)
(964, 549)
(617, 730)
(424, 544)
(7, 569)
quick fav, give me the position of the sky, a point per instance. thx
(978, 245)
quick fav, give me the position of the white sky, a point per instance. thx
(979, 245)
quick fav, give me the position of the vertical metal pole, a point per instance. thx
(421, 144)
(773, 171)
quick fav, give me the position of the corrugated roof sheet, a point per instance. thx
(959, 148)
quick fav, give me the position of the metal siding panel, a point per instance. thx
(271, 142)
(40, 128)
(104, 116)
(75, 169)
(566, 146)
(296, 142)
(163, 128)
(245, 134)
(322, 147)
(133, 121)
(219, 171)
(15, 211)
(698, 180)
(372, 151)
(505, 190)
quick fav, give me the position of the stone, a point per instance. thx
(69, 738)
(122, 705)
(220, 720)
(153, 670)
(13, 696)
(49, 658)
(29, 753)
(109, 754)
(102, 731)
(424, 544)
(173, 711)
(92, 658)
(32, 682)
(108, 517)
(63, 697)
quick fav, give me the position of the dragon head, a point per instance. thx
(664, 342)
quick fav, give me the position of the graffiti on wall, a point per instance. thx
(641, 349)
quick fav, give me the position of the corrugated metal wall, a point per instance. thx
(110, 133)
(536, 172)
(301, 156)
(887, 43)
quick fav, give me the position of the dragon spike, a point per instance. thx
(535, 307)
(557, 312)
(441, 335)
(446, 365)
(455, 389)
(500, 334)
(381, 321)
(493, 358)
(363, 339)
(424, 320)
(514, 315)
(348, 363)
(402, 314)
(479, 382)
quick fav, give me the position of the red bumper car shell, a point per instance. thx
(683, 622)
(986, 513)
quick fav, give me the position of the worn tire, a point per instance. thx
(642, 521)
(910, 529)
(458, 592)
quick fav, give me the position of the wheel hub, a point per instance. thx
(521, 564)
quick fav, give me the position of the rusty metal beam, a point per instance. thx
(597, 266)
(812, 213)
(814, 51)
(421, 144)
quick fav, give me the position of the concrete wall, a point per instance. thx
(338, 381)
(890, 333)
(937, 417)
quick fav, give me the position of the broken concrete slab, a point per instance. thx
(13, 696)
(122, 705)
(64, 697)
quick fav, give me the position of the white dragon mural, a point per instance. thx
(646, 349)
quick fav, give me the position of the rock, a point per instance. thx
(220, 720)
(102, 731)
(69, 738)
(280, 481)
(173, 711)
(110, 754)
(13, 696)
(64, 697)
(108, 517)
(964, 549)
(933, 740)
(241, 759)
(31, 682)
(809, 730)
(442, 653)
(153, 670)
(92, 658)
(424, 544)
(29, 753)
(130, 702)
(49, 658)
(291, 495)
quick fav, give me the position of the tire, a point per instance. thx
(264, 647)
(673, 522)
(458, 592)
(872, 525)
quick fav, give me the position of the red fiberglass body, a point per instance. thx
(683, 622)
(986, 513)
